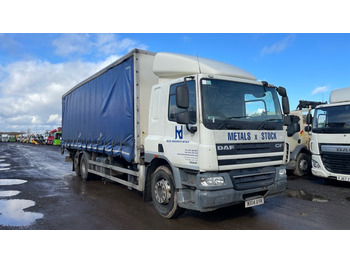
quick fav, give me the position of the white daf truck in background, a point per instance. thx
(188, 132)
(330, 140)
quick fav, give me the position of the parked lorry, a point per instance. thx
(51, 137)
(299, 140)
(188, 132)
(330, 139)
(57, 137)
(4, 137)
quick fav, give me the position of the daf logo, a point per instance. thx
(278, 145)
(226, 147)
(343, 149)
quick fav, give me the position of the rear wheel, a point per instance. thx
(76, 164)
(164, 195)
(84, 166)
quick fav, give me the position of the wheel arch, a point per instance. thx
(299, 149)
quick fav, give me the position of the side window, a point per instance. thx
(173, 110)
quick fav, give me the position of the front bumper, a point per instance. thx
(202, 199)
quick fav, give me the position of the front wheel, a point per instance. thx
(164, 195)
(303, 165)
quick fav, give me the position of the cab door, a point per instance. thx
(181, 141)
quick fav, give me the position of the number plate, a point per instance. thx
(343, 178)
(254, 202)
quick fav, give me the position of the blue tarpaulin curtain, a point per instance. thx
(99, 115)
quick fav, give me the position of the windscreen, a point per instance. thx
(334, 119)
(236, 105)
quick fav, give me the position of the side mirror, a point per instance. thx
(281, 91)
(182, 96)
(309, 119)
(183, 118)
(285, 105)
(287, 120)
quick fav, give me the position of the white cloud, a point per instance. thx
(83, 44)
(72, 43)
(321, 89)
(279, 46)
(55, 118)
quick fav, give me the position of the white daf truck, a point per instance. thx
(330, 140)
(188, 132)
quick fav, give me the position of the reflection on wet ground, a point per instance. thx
(9, 193)
(12, 210)
(13, 214)
(4, 167)
(9, 182)
(300, 194)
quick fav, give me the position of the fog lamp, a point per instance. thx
(212, 181)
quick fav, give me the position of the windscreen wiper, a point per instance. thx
(262, 124)
(232, 125)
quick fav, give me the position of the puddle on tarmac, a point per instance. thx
(9, 182)
(9, 193)
(4, 167)
(306, 196)
(12, 213)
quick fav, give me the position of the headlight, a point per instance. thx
(282, 172)
(212, 181)
(315, 164)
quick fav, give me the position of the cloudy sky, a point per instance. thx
(37, 69)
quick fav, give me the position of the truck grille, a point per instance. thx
(336, 163)
(252, 178)
(333, 161)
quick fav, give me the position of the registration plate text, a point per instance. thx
(254, 202)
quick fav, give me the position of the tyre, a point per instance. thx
(164, 195)
(76, 164)
(303, 165)
(84, 166)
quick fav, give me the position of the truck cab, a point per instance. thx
(330, 141)
(299, 139)
(221, 133)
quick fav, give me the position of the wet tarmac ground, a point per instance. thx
(38, 191)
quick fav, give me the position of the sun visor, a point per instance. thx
(169, 66)
(340, 95)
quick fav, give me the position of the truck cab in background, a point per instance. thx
(330, 140)
(299, 139)
(4, 138)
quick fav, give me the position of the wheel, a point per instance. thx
(303, 165)
(84, 166)
(76, 164)
(164, 195)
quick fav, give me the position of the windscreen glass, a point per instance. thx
(235, 105)
(334, 119)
